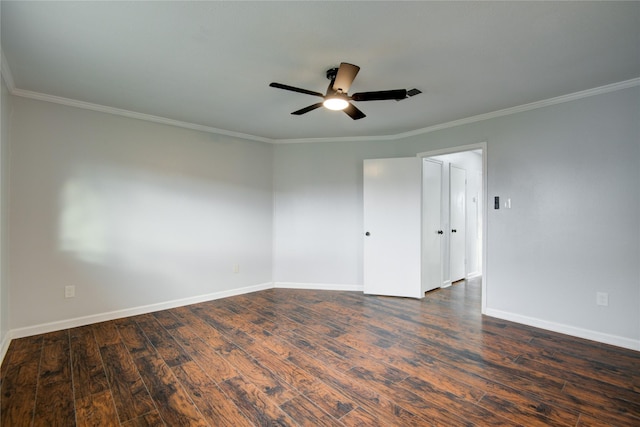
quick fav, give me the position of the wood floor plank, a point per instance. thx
(305, 413)
(430, 402)
(568, 366)
(216, 366)
(55, 362)
(214, 405)
(96, 410)
(496, 397)
(376, 403)
(539, 382)
(533, 384)
(587, 421)
(54, 398)
(258, 375)
(309, 346)
(330, 400)
(593, 402)
(244, 363)
(396, 328)
(129, 392)
(173, 403)
(211, 335)
(227, 322)
(87, 368)
(255, 404)
(585, 392)
(361, 418)
(134, 338)
(151, 419)
(167, 319)
(54, 404)
(22, 350)
(388, 326)
(172, 353)
(206, 312)
(588, 350)
(106, 333)
(347, 355)
(18, 390)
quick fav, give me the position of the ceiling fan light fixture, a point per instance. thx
(335, 103)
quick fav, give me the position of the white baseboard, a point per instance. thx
(319, 286)
(134, 311)
(102, 317)
(474, 275)
(566, 329)
(446, 284)
(4, 345)
(87, 320)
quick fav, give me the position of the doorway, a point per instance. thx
(397, 204)
(463, 211)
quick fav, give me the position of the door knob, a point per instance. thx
(367, 234)
(454, 230)
(440, 232)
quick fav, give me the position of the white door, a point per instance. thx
(432, 232)
(392, 226)
(457, 215)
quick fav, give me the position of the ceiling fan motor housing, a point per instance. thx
(331, 73)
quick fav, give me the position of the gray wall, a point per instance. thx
(572, 173)
(131, 213)
(135, 213)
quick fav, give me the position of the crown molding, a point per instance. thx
(527, 107)
(6, 73)
(133, 115)
(8, 78)
(480, 117)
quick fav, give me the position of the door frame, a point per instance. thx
(485, 205)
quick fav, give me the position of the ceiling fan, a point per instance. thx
(337, 97)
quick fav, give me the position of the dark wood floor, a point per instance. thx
(318, 358)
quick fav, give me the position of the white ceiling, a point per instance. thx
(210, 63)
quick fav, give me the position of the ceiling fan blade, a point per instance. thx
(344, 77)
(307, 109)
(353, 112)
(295, 89)
(380, 95)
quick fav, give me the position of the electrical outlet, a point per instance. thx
(602, 298)
(236, 268)
(69, 291)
